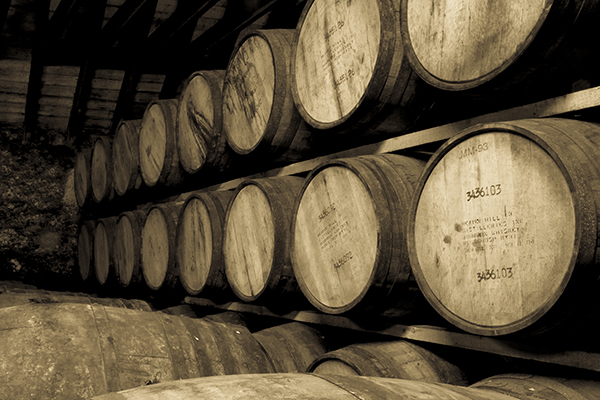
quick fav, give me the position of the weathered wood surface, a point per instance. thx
(101, 170)
(125, 154)
(85, 249)
(348, 233)
(259, 115)
(256, 243)
(159, 161)
(462, 44)
(200, 261)
(104, 250)
(349, 72)
(83, 178)
(296, 386)
(515, 228)
(159, 246)
(201, 142)
(395, 359)
(75, 351)
(128, 247)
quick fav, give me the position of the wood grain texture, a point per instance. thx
(125, 153)
(111, 349)
(463, 44)
(200, 242)
(104, 260)
(521, 386)
(159, 246)
(85, 249)
(395, 359)
(101, 170)
(516, 228)
(259, 115)
(348, 233)
(296, 386)
(128, 246)
(291, 347)
(256, 243)
(200, 137)
(83, 180)
(349, 72)
(159, 161)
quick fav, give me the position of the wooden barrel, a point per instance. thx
(104, 249)
(259, 115)
(296, 386)
(200, 243)
(349, 72)
(83, 181)
(159, 161)
(126, 156)
(397, 359)
(76, 351)
(512, 45)
(515, 227)
(348, 235)
(226, 317)
(128, 246)
(85, 249)
(17, 297)
(291, 347)
(101, 171)
(256, 238)
(524, 386)
(158, 246)
(201, 143)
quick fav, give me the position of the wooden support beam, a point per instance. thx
(34, 88)
(123, 17)
(62, 18)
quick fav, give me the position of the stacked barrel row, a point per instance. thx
(499, 212)
(117, 344)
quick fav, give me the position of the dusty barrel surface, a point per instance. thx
(521, 386)
(101, 171)
(397, 359)
(462, 44)
(348, 234)
(256, 242)
(17, 297)
(296, 386)
(85, 249)
(291, 347)
(200, 243)
(125, 154)
(76, 351)
(104, 249)
(259, 115)
(83, 181)
(128, 247)
(349, 71)
(201, 142)
(159, 245)
(159, 161)
(515, 228)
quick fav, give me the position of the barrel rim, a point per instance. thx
(217, 261)
(374, 87)
(528, 320)
(473, 83)
(345, 163)
(216, 93)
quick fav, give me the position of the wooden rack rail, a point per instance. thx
(424, 333)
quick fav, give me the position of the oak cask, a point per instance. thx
(128, 247)
(199, 239)
(349, 234)
(101, 170)
(125, 153)
(83, 180)
(256, 238)
(505, 213)
(104, 249)
(201, 142)
(159, 161)
(85, 249)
